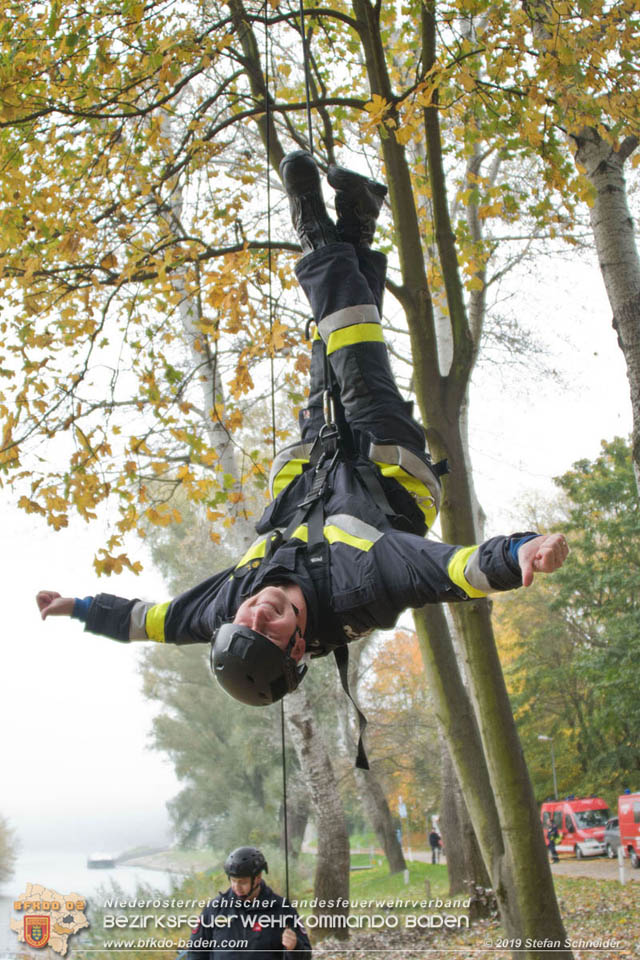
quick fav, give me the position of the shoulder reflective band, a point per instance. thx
(456, 571)
(155, 621)
(287, 465)
(256, 551)
(417, 488)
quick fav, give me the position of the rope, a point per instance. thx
(307, 84)
(273, 407)
(307, 75)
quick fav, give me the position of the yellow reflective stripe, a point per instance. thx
(154, 623)
(456, 568)
(256, 551)
(291, 470)
(356, 333)
(334, 534)
(419, 490)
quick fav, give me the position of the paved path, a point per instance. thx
(597, 868)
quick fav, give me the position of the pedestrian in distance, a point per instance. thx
(553, 837)
(436, 844)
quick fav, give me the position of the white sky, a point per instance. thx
(76, 770)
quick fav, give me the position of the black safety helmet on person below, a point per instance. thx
(252, 669)
(245, 862)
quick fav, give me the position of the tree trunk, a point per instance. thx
(465, 866)
(613, 231)
(298, 806)
(379, 814)
(515, 857)
(369, 786)
(614, 236)
(331, 882)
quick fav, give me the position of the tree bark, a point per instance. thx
(298, 807)
(331, 881)
(525, 893)
(614, 235)
(369, 787)
(613, 231)
(465, 866)
(379, 814)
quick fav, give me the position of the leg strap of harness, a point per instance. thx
(342, 662)
(369, 477)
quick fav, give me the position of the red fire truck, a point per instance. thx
(580, 822)
(629, 823)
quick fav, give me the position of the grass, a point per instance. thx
(595, 911)
(379, 884)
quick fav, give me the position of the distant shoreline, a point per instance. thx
(171, 861)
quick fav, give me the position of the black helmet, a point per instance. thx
(245, 862)
(252, 669)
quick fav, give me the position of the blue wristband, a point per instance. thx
(515, 545)
(81, 608)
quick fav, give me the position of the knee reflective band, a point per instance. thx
(250, 668)
(351, 325)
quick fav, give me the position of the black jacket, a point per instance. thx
(234, 929)
(377, 570)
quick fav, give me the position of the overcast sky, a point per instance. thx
(78, 773)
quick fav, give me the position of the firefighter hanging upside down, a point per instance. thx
(341, 548)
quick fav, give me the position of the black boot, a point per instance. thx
(310, 219)
(358, 203)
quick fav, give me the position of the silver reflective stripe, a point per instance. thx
(354, 526)
(366, 313)
(296, 451)
(137, 620)
(475, 576)
(406, 460)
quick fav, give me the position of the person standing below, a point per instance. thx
(435, 844)
(553, 836)
(248, 920)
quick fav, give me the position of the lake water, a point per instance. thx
(68, 873)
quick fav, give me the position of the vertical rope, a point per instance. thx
(284, 801)
(273, 404)
(307, 75)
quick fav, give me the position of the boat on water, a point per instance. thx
(101, 861)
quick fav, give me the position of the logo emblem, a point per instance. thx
(37, 930)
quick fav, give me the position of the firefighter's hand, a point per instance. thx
(542, 555)
(51, 604)
(289, 939)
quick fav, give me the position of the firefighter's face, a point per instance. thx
(277, 612)
(245, 887)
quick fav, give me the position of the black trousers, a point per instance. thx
(345, 286)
